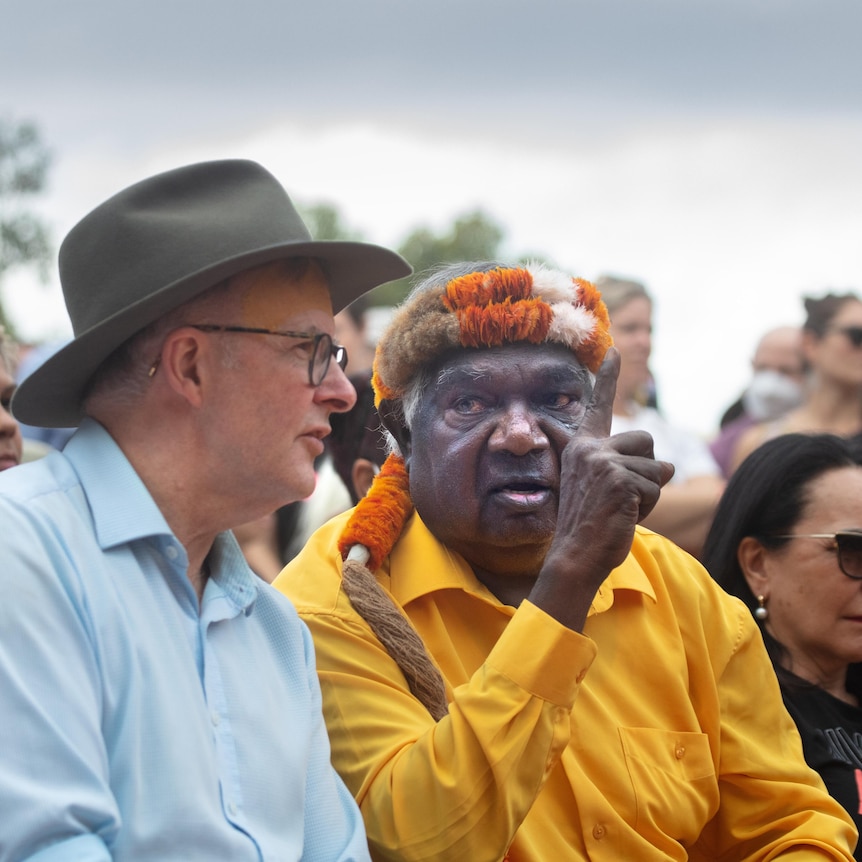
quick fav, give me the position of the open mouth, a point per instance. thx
(523, 493)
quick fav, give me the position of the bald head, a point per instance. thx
(780, 350)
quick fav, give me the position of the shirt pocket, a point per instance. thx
(673, 779)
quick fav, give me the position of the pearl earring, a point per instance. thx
(760, 612)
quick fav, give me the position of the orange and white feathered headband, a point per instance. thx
(531, 304)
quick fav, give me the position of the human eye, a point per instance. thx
(559, 400)
(468, 405)
(6, 398)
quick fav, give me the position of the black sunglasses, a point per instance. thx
(848, 546)
(854, 333)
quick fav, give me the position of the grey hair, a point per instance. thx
(617, 292)
(428, 280)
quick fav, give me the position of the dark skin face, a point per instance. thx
(511, 466)
(485, 458)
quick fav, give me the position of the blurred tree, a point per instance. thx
(24, 237)
(472, 236)
(324, 221)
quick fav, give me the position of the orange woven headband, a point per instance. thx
(487, 309)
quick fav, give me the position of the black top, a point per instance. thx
(831, 732)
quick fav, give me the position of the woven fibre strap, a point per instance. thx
(397, 635)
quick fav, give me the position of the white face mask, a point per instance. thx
(770, 395)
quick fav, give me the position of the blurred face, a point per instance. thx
(815, 610)
(484, 458)
(835, 355)
(780, 351)
(10, 432)
(268, 421)
(631, 328)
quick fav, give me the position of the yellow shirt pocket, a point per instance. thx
(673, 779)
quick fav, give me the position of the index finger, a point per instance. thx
(599, 412)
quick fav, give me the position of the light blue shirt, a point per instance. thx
(135, 725)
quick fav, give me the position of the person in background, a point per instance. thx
(787, 540)
(832, 399)
(511, 668)
(776, 387)
(351, 330)
(11, 446)
(685, 510)
(43, 439)
(332, 494)
(357, 444)
(159, 702)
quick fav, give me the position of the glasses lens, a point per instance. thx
(854, 333)
(850, 554)
(340, 354)
(320, 359)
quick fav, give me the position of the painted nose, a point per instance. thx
(518, 432)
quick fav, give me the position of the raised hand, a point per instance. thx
(607, 485)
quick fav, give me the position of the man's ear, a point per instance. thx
(392, 418)
(752, 558)
(362, 475)
(181, 357)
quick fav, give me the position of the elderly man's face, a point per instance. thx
(268, 421)
(485, 452)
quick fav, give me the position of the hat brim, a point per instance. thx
(51, 396)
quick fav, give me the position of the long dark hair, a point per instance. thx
(765, 498)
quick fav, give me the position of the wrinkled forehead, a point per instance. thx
(275, 293)
(507, 365)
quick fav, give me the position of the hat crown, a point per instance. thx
(164, 229)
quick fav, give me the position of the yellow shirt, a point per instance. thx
(658, 734)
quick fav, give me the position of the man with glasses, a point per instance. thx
(159, 701)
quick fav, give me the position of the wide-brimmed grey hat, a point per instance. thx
(160, 243)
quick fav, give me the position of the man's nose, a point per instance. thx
(336, 389)
(518, 431)
(8, 425)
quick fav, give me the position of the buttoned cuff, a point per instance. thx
(542, 656)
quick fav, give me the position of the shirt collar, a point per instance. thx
(424, 565)
(230, 576)
(120, 503)
(123, 510)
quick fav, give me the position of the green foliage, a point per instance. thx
(24, 237)
(324, 221)
(473, 236)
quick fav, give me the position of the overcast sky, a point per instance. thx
(710, 148)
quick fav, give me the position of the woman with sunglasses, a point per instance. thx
(832, 352)
(787, 540)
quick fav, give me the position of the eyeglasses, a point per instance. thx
(854, 333)
(848, 546)
(323, 348)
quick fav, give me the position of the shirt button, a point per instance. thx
(172, 552)
(231, 809)
(599, 831)
(214, 717)
(680, 752)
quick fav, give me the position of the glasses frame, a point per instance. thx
(836, 537)
(852, 333)
(329, 351)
